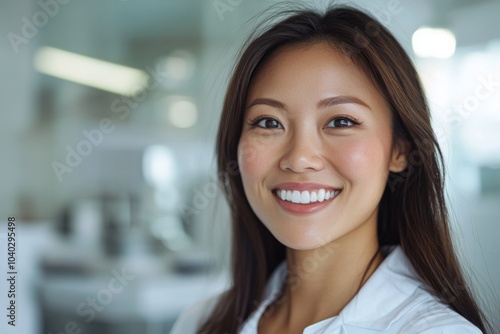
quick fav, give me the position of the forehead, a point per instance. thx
(314, 71)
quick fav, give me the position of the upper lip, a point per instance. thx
(303, 186)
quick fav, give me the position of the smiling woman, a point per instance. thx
(324, 240)
(308, 122)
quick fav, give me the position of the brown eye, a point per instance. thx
(266, 123)
(342, 122)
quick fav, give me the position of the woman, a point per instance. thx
(339, 219)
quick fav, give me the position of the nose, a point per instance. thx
(302, 154)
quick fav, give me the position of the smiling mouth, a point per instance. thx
(306, 197)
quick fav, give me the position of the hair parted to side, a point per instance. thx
(412, 211)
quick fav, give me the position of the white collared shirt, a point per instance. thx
(392, 300)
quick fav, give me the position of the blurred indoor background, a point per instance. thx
(108, 116)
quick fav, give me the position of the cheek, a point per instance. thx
(251, 158)
(363, 157)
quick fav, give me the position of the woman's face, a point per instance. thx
(316, 132)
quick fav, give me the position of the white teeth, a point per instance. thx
(305, 196)
(296, 196)
(321, 195)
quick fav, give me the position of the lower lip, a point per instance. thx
(302, 209)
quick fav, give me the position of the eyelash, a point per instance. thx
(351, 119)
(253, 122)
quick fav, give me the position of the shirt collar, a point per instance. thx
(392, 285)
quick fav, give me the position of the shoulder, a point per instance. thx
(396, 300)
(427, 314)
(191, 319)
(434, 317)
(423, 312)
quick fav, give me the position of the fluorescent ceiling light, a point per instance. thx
(181, 111)
(90, 71)
(179, 64)
(159, 166)
(433, 43)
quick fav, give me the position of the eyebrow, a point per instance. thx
(268, 102)
(341, 99)
(324, 103)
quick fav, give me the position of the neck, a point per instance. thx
(321, 282)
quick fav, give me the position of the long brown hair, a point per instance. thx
(412, 211)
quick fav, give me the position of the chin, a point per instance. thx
(302, 241)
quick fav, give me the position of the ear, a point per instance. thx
(399, 157)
